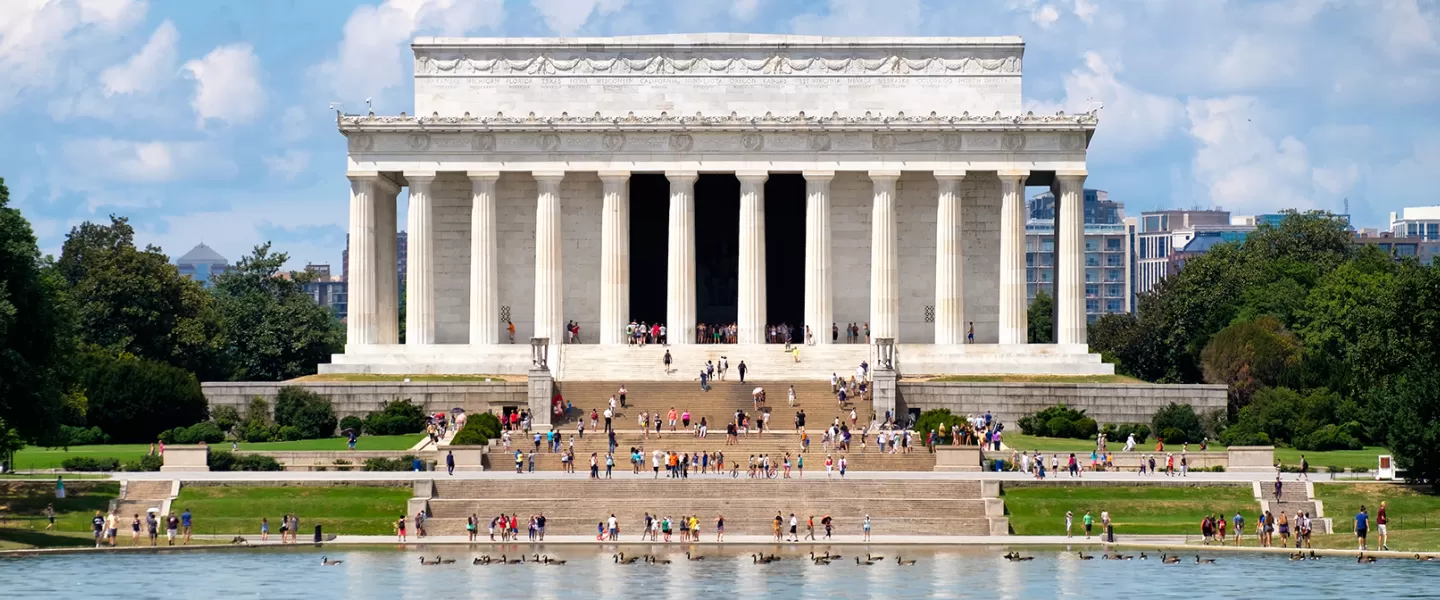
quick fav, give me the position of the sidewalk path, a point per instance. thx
(1228, 477)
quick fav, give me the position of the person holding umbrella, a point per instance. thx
(352, 435)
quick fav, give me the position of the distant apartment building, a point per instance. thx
(1107, 252)
(1416, 247)
(1165, 239)
(202, 263)
(327, 291)
(1420, 222)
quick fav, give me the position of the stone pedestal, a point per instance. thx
(186, 458)
(542, 388)
(883, 393)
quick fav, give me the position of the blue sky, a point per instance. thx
(209, 120)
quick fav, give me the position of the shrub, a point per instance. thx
(1059, 421)
(404, 463)
(1330, 437)
(290, 433)
(1178, 424)
(342, 464)
(134, 399)
(87, 463)
(352, 422)
(225, 417)
(931, 420)
(207, 432)
(1117, 433)
(259, 432)
(149, 462)
(80, 436)
(398, 417)
(223, 460)
(1236, 436)
(470, 435)
(309, 413)
(489, 424)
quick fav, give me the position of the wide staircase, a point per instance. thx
(895, 506)
(593, 362)
(1292, 499)
(141, 496)
(717, 407)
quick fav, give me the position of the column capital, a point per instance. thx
(421, 175)
(482, 176)
(682, 176)
(1013, 174)
(614, 176)
(884, 176)
(548, 176)
(362, 175)
(752, 176)
(818, 175)
(950, 174)
(1072, 174)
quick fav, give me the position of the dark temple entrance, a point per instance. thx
(785, 253)
(717, 248)
(649, 246)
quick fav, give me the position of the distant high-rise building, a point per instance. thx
(1422, 222)
(1166, 238)
(1107, 253)
(201, 263)
(321, 272)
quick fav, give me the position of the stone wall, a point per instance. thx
(1104, 402)
(360, 398)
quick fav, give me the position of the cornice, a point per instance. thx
(732, 122)
(766, 61)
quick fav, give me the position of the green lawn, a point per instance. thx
(1133, 509)
(1037, 379)
(36, 458)
(1409, 508)
(23, 503)
(1351, 459)
(419, 377)
(352, 510)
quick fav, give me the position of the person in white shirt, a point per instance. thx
(1130, 443)
(792, 396)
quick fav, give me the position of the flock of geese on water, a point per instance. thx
(827, 558)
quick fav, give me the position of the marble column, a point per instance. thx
(361, 318)
(680, 272)
(884, 259)
(1014, 304)
(387, 271)
(750, 308)
(614, 257)
(484, 260)
(819, 295)
(420, 268)
(949, 261)
(1070, 270)
(549, 285)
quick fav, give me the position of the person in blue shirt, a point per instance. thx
(185, 524)
(1239, 527)
(1362, 526)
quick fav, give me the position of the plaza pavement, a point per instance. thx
(581, 475)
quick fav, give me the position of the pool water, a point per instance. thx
(971, 572)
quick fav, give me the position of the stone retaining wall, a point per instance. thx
(1104, 402)
(362, 397)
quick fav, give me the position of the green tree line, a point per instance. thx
(109, 338)
(1323, 343)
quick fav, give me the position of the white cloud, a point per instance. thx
(227, 85)
(1131, 120)
(147, 69)
(1404, 29)
(295, 124)
(1085, 11)
(861, 17)
(36, 37)
(565, 17)
(289, 165)
(102, 159)
(1247, 170)
(1045, 16)
(374, 53)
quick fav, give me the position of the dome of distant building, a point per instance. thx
(201, 263)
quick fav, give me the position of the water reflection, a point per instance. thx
(725, 573)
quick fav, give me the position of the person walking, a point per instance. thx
(1382, 522)
(1088, 521)
(741, 369)
(1069, 520)
(1362, 527)
(865, 526)
(450, 462)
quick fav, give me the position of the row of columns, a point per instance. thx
(373, 253)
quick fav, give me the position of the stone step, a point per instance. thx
(588, 362)
(814, 467)
(146, 490)
(740, 508)
(630, 525)
(718, 487)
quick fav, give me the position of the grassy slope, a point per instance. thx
(23, 503)
(34, 457)
(353, 510)
(1133, 509)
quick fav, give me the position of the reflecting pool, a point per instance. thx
(590, 572)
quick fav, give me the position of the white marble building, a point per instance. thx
(522, 153)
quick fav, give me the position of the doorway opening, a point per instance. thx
(785, 254)
(649, 246)
(717, 248)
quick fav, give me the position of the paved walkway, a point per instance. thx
(1228, 477)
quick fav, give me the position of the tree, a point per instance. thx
(134, 399)
(1133, 348)
(1177, 424)
(1411, 402)
(274, 331)
(1249, 355)
(1041, 319)
(133, 301)
(34, 332)
(309, 413)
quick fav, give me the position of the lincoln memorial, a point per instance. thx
(711, 178)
